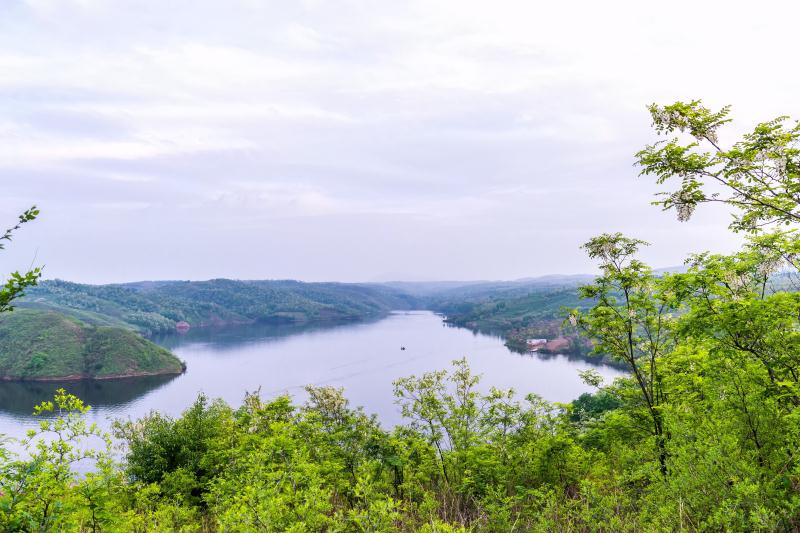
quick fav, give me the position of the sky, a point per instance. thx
(362, 140)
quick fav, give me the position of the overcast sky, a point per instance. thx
(361, 141)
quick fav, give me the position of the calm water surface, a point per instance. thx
(363, 358)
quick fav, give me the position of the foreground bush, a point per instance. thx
(465, 459)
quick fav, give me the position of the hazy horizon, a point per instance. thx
(357, 282)
(360, 142)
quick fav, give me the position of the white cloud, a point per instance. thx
(446, 118)
(30, 150)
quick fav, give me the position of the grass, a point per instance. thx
(41, 344)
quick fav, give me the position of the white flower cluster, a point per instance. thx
(770, 266)
(778, 159)
(674, 119)
(684, 204)
(735, 282)
(606, 250)
(781, 164)
(712, 136)
(670, 119)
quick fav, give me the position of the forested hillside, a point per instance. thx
(517, 311)
(154, 307)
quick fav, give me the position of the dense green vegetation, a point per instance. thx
(154, 307)
(39, 345)
(527, 311)
(701, 435)
(494, 308)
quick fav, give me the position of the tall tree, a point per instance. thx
(630, 321)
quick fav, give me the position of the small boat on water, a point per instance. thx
(402, 348)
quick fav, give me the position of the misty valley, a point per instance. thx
(275, 337)
(364, 358)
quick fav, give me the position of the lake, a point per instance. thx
(364, 358)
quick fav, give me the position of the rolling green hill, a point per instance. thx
(44, 345)
(155, 307)
(501, 312)
(516, 311)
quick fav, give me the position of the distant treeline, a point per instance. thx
(156, 307)
(519, 312)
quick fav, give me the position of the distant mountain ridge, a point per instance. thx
(425, 289)
(157, 306)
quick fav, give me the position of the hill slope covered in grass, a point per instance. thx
(42, 345)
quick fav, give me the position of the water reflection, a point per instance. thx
(17, 398)
(234, 336)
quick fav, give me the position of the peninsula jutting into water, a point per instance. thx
(40, 345)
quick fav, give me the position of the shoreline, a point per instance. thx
(83, 377)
